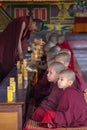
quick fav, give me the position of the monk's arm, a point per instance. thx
(20, 52)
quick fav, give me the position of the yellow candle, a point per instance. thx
(9, 94)
(13, 85)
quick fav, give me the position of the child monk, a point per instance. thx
(62, 43)
(64, 58)
(51, 101)
(52, 52)
(72, 108)
(41, 89)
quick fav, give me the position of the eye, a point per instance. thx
(50, 72)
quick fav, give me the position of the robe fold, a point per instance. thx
(49, 103)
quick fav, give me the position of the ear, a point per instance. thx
(70, 82)
(66, 64)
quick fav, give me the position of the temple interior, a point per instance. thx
(69, 16)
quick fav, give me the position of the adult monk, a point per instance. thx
(14, 39)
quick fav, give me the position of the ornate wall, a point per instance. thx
(58, 14)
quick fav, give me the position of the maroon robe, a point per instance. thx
(49, 103)
(66, 45)
(71, 110)
(80, 83)
(37, 93)
(42, 88)
(9, 43)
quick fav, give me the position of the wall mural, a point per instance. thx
(59, 15)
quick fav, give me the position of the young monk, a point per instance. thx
(72, 108)
(47, 46)
(64, 58)
(62, 43)
(51, 101)
(41, 89)
(52, 36)
(52, 41)
(52, 52)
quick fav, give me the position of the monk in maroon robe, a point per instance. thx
(12, 41)
(71, 111)
(72, 108)
(51, 101)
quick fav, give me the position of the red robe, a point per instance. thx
(66, 45)
(71, 110)
(9, 43)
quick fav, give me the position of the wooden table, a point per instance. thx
(11, 114)
(80, 24)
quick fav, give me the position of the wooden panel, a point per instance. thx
(8, 121)
(80, 27)
(13, 112)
